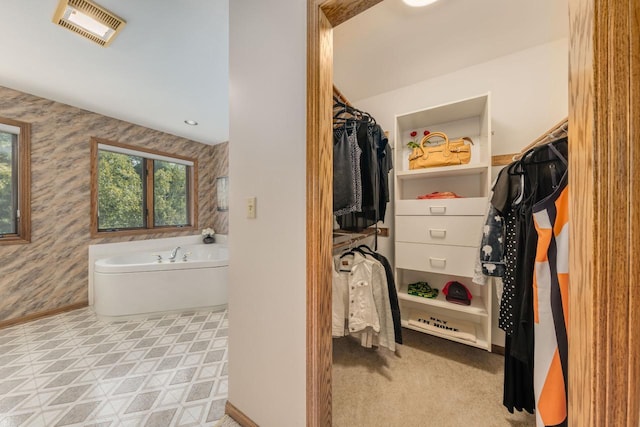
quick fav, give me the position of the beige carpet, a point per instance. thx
(428, 382)
(227, 421)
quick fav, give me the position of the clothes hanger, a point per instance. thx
(529, 157)
(561, 128)
(557, 152)
(352, 251)
(365, 247)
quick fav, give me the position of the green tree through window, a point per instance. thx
(15, 181)
(170, 193)
(120, 191)
(138, 189)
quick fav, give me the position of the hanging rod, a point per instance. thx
(553, 133)
(340, 95)
(354, 237)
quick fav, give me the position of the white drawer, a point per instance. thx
(455, 260)
(440, 230)
(463, 206)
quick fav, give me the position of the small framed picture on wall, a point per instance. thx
(222, 189)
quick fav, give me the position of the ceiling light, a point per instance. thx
(191, 122)
(89, 20)
(419, 3)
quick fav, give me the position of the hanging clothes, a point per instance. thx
(360, 302)
(530, 196)
(361, 175)
(507, 200)
(391, 287)
(550, 305)
(347, 179)
(354, 279)
(364, 291)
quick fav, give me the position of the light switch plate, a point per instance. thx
(251, 207)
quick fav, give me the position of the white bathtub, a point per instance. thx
(136, 284)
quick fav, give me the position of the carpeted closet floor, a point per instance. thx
(429, 381)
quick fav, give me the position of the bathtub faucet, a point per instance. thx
(174, 253)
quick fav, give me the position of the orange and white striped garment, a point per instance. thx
(551, 307)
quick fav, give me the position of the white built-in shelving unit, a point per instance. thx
(437, 240)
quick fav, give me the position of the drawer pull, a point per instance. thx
(438, 262)
(438, 233)
(439, 210)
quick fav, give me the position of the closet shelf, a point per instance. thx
(437, 240)
(477, 306)
(443, 171)
(481, 340)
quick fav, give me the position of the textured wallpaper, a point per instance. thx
(51, 271)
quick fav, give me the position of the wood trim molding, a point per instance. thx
(319, 210)
(238, 416)
(42, 314)
(633, 399)
(23, 234)
(502, 159)
(321, 17)
(142, 149)
(339, 11)
(148, 191)
(497, 349)
(25, 182)
(194, 195)
(604, 65)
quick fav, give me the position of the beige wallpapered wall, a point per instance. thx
(51, 271)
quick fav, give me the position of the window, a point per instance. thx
(15, 185)
(170, 193)
(135, 190)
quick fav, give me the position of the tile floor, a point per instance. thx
(75, 370)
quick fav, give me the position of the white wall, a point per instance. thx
(529, 94)
(267, 270)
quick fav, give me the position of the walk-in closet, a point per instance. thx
(450, 278)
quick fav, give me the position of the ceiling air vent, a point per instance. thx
(89, 20)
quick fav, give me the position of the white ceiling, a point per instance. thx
(392, 45)
(170, 63)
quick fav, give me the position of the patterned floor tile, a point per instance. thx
(161, 418)
(75, 370)
(173, 396)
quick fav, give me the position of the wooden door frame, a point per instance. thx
(604, 125)
(322, 16)
(604, 107)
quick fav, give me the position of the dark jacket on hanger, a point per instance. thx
(393, 294)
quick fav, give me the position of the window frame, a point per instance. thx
(148, 191)
(23, 163)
